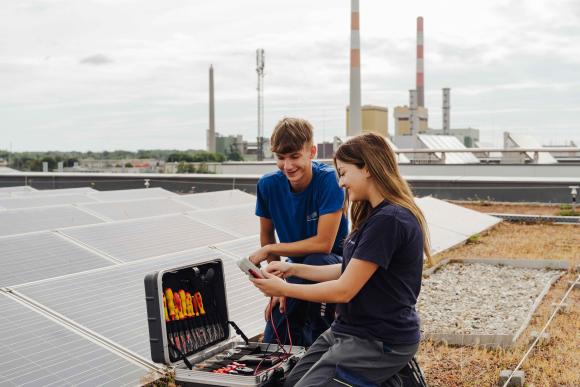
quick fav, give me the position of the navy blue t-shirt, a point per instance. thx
(384, 309)
(295, 214)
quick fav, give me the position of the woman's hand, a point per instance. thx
(271, 285)
(280, 269)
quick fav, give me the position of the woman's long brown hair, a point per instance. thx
(374, 152)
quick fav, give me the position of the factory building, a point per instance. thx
(402, 115)
(374, 119)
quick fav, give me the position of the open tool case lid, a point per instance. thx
(196, 318)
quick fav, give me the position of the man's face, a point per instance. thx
(297, 166)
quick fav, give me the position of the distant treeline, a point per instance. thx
(32, 161)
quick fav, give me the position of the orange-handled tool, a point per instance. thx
(199, 302)
(170, 304)
(165, 314)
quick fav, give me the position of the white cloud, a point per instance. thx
(510, 64)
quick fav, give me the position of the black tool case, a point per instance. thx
(192, 332)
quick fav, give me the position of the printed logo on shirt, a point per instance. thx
(312, 217)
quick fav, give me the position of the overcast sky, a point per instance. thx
(133, 74)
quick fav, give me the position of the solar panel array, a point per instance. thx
(43, 218)
(82, 257)
(37, 351)
(83, 254)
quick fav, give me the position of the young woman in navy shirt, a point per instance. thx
(376, 331)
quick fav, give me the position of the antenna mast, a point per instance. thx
(260, 70)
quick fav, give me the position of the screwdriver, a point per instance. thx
(211, 318)
(186, 338)
(173, 336)
(211, 330)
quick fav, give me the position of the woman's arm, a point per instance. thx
(308, 272)
(340, 290)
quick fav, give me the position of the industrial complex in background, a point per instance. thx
(414, 137)
(433, 157)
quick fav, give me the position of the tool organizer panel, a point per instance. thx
(189, 329)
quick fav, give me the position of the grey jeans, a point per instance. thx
(340, 359)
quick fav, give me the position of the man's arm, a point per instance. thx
(322, 242)
(267, 236)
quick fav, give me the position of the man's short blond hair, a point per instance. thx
(290, 135)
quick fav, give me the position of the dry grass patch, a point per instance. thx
(517, 240)
(554, 364)
(511, 208)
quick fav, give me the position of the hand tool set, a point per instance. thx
(189, 329)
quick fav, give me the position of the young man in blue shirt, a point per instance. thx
(303, 204)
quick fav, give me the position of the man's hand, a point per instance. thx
(272, 304)
(262, 254)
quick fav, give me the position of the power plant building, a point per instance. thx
(402, 115)
(374, 119)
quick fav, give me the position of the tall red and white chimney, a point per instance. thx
(420, 63)
(355, 119)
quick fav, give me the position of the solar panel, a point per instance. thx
(455, 218)
(52, 200)
(208, 200)
(33, 257)
(239, 221)
(133, 209)
(131, 194)
(150, 237)
(240, 247)
(35, 350)
(527, 141)
(442, 239)
(18, 188)
(111, 302)
(449, 142)
(53, 192)
(43, 218)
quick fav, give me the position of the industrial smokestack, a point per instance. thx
(413, 114)
(355, 120)
(211, 132)
(446, 108)
(420, 63)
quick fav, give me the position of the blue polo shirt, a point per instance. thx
(384, 309)
(295, 214)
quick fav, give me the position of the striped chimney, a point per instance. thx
(420, 63)
(355, 119)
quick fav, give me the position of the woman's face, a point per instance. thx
(354, 179)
